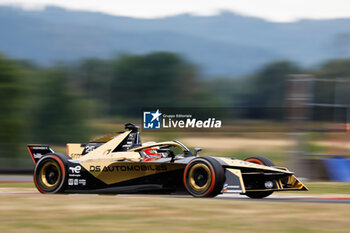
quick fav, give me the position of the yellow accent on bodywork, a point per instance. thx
(244, 164)
(115, 172)
(291, 180)
(296, 184)
(74, 150)
(172, 143)
(237, 173)
(104, 150)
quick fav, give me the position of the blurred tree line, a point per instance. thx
(52, 104)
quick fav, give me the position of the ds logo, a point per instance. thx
(75, 169)
(151, 120)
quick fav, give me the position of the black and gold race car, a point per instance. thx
(120, 163)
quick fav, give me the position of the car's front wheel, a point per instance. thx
(262, 161)
(204, 177)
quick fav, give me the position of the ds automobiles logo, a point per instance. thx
(151, 120)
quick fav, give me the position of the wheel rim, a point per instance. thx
(50, 174)
(199, 177)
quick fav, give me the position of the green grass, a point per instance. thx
(312, 148)
(17, 185)
(152, 214)
(328, 187)
(119, 213)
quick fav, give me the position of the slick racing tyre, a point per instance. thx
(50, 173)
(262, 161)
(204, 177)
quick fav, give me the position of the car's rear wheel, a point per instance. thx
(50, 174)
(204, 177)
(262, 161)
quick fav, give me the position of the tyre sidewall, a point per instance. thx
(217, 177)
(264, 161)
(59, 159)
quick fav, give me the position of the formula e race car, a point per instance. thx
(120, 163)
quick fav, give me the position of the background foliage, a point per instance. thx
(54, 104)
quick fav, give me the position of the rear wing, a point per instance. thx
(38, 151)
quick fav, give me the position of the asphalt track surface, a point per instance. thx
(272, 198)
(275, 198)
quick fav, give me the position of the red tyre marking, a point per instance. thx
(36, 184)
(185, 173)
(254, 161)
